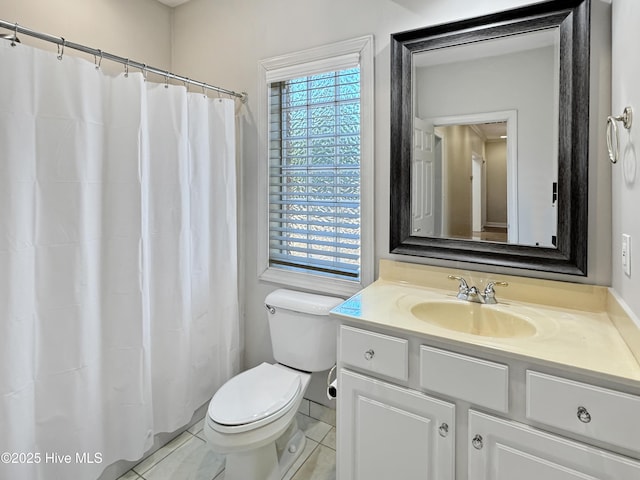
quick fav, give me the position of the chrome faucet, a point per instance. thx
(472, 294)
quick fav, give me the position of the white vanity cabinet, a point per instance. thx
(505, 450)
(506, 418)
(386, 430)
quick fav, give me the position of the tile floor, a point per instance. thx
(188, 457)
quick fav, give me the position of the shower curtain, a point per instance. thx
(118, 277)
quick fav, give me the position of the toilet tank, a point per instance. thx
(303, 335)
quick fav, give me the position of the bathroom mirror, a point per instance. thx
(489, 139)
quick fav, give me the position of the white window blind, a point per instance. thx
(314, 173)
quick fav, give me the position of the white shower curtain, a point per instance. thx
(118, 291)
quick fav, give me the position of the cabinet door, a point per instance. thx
(506, 450)
(386, 431)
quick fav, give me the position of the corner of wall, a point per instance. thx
(172, 39)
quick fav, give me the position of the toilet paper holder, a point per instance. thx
(332, 386)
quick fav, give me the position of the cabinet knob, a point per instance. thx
(477, 442)
(369, 354)
(443, 430)
(583, 415)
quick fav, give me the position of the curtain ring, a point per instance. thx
(15, 35)
(98, 63)
(144, 71)
(61, 51)
(166, 79)
(126, 69)
(204, 93)
(613, 136)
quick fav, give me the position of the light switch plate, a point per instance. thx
(626, 254)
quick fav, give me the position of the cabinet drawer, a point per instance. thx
(608, 415)
(477, 381)
(374, 352)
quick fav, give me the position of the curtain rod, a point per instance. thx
(61, 41)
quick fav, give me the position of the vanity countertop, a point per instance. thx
(576, 325)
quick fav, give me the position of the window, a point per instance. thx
(314, 173)
(319, 158)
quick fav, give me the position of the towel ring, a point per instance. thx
(613, 144)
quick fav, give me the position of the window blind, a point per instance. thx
(314, 173)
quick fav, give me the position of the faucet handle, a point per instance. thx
(463, 287)
(491, 284)
(490, 291)
(463, 282)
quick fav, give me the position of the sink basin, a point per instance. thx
(474, 319)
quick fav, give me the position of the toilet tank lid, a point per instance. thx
(302, 302)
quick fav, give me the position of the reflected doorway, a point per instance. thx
(464, 177)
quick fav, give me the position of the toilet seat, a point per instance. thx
(254, 398)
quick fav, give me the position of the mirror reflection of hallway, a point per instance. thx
(460, 181)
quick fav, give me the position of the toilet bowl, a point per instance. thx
(252, 418)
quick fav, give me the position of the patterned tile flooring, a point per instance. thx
(188, 457)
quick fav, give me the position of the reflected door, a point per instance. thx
(423, 179)
(478, 207)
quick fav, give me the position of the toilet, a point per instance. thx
(252, 418)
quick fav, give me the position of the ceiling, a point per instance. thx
(173, 3)
(493, 130)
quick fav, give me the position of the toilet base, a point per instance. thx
(258, 464)
(269, 462)
(289, 447)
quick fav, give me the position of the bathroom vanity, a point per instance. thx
(545, 383)
(540, 385)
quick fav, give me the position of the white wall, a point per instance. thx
(626, 173)
(222, 42)
(140, 29)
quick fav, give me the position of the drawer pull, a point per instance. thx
(477, 442)
(369, 354)
(443, 430)
(583, 415)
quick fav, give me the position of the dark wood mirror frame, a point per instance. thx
(573, 19)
